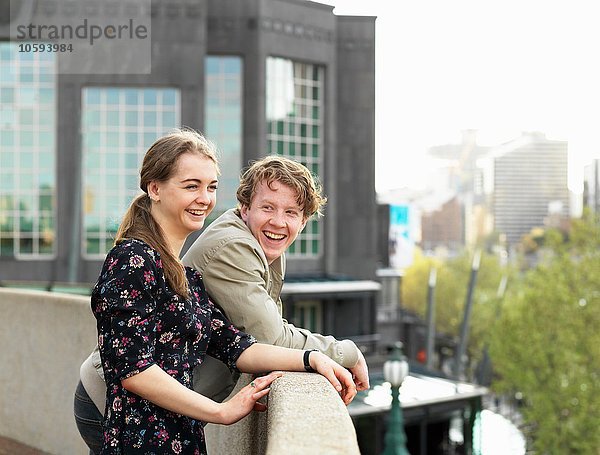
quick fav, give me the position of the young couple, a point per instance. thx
(174, 334)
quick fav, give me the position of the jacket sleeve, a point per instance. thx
(234, 277)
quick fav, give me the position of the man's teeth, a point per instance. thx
(274, 236)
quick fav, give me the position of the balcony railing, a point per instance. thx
(44, 337)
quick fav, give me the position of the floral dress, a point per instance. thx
(141, 322)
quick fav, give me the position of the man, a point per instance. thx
(241, 257)
(242, 261)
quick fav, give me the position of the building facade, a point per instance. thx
(529, 184)
(443, 227)
(591, 186)
(257, 77)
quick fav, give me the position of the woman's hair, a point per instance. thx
(284, 170)
(160, 163)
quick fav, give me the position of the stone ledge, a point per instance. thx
(306, 415)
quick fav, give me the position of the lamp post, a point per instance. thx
(459, 360)
(394, 371)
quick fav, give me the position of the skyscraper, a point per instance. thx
(529, 184)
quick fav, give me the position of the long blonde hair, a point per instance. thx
(159, 164)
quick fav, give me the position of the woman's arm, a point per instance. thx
(155, 385)
(263, 357)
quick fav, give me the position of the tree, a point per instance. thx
(450, 294)
(546, 345)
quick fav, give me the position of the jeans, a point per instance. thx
(88, 419)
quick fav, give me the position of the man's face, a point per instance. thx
(274, 218)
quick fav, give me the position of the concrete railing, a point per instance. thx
(44, 337)
(305, 415)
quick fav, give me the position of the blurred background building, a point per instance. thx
(502, 192)
(591, 186)
(529, 185)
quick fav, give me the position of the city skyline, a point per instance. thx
(501, 68)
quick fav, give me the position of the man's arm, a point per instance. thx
(234, 277)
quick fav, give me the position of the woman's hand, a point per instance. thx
(338, 376)
(246, 400)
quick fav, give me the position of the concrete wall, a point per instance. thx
(44, 337)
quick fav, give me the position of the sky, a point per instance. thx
(500, 67)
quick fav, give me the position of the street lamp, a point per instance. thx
(394, 371)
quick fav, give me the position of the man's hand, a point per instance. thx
(337, 375)
(360, 373)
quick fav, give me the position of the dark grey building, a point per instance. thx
(257, 77)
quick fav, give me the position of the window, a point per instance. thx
(295, 113)
(118, 126)
(223, 122)
(308, 314)
(27, 153)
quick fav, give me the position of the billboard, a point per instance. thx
(401, 244)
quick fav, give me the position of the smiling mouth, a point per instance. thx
(273, 236)
(196, 212)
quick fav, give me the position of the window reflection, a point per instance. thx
(27, 152)
(294, 111)
(223, 122)
(118, 126)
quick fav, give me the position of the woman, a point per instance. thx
(155, 321)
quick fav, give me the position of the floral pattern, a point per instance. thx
(142, 322)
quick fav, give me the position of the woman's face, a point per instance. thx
(184, 201)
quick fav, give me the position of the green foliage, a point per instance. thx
(547, 343)
(450, 294)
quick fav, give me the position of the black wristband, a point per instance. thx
(307, 366)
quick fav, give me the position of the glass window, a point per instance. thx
(92, 97)
(223, 122)
(131, 97)
(7, 138)
(46, 116)
(150, 97)
(150, 118)
(167, 118)
(113, 148)
(308, 314)
(7, 95)
(27, 174)
(169, 98)
(295, 117)
(131, 118)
